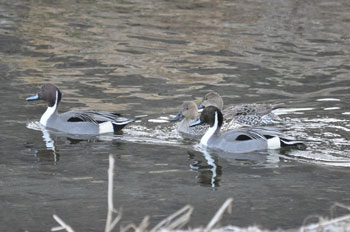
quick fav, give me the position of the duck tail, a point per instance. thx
(119, 125)
(291, 142)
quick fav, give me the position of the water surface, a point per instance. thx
(147, 57)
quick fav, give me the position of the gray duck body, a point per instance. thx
(76, 121)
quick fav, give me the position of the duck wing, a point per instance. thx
(91, 116)
(98, 117)
(102, 116)
(242, 135)
(269, 131)
(78, 116)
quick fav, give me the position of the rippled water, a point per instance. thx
(147, 57)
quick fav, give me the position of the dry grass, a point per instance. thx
(336, 224)
(179, 219)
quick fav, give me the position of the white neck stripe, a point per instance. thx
(210, 132)
(49, 112)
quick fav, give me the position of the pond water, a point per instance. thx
(147, 57)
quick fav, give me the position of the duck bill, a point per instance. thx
(196, 123)
(33, 98)
(201, 106)
(178, 117)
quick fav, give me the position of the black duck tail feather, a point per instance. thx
(290, 142)
(118, 126)
(125, 122)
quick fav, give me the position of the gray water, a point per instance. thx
(147, 57)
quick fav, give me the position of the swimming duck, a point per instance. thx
(188, 113)
(76, 121)
(241, 140)
(246, 114)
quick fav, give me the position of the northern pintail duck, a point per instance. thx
(188, 113)
(76, 121)
(246, 114)
(239, 140)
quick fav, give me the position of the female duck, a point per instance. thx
(76, 122)
(188, 113)
(246, 114)
(240, 140)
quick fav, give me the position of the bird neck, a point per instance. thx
(211, 131)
